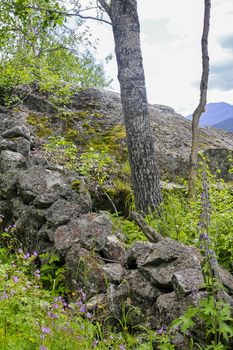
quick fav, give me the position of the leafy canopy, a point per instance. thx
(39, 44)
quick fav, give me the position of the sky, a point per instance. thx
(171, 46)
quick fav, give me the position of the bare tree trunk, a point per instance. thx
(201, 106)
(144, 170)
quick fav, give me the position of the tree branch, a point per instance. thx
(95, 19)
(148, 231)
(68, 14)
(105, 6)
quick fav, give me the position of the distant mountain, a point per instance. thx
(216, 113)
(225, 125)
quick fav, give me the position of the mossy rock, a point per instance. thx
(75, 185)
(112, 139)
(41, 124)
(72, 135)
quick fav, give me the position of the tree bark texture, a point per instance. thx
(202, 102)
(144, 170)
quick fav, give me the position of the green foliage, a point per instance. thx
(163, 341)
(96, 165)
(52, 274)
(34, 318)
(213, 314)
(38, 49)
(8, 240)
(93, 164)
(179, 219)
(131, 230)
(61, 152)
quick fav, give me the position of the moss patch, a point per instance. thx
(41, 125)
(112, 139)
(76, 185)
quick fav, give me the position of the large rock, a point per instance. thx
(90, 231)
(96, 112)
(168, 257)
(172, 133)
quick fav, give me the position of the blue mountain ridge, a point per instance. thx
(226, 124)
(215, 114)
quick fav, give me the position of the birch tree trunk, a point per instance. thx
(144, 170)
(202, 102)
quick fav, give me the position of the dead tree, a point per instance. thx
(202, 102)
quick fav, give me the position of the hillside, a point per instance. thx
(95, 119)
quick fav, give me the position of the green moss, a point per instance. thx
(80, 115)
(41, 125)
(76, 185)
(87, 126)
(71, 135)
(113, 140)
(65, 115)
(98, 115)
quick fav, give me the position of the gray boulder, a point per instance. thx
(90, 231)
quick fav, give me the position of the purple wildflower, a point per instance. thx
(4, 296)
(37, 273)
(20, 250)
(26, 256)
(43, 347)
(201, 237)
(35, 254)
(160, 331)
(15, 279)
(45, 330)
(64, 303)
(53, 316)
(82, 308)
(122, 347)
(83, 295)
(94, 343)
(88, 315)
